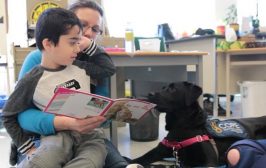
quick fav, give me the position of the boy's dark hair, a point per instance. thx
(53, 23)
(86, 4)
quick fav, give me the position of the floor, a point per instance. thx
(4, 146)
(133, 149)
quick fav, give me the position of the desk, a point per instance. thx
(240, 58)
(150, 59)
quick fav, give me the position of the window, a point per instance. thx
(146, 15)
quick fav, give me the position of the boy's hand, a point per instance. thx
(80, 125)
(84, 43)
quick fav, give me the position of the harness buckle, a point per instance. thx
(175, 154)
(199, 138)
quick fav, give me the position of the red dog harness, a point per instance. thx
(179, 145)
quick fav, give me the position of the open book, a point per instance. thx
(79, 104)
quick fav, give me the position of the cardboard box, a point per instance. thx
(110, 42)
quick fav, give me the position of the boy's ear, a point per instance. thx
(46, 44)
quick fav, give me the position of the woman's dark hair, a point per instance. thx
(53, 23)
(86, 4)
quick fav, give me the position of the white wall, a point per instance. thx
(221, 8)
(182, 16)
(17, 15)
(3, 50)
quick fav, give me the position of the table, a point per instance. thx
(123, 60)
(240, 58)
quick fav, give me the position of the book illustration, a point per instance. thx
(76, 104)
(119, 112)
(97, 103)
(59, 102)
(128, 110)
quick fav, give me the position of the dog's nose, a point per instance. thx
(151, 94)
(152, 98)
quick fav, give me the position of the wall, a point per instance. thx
(221, 8)
(18, 11)
(3, 50)
(19, 34)
(17, 18)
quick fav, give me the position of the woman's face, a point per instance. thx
(91, 21)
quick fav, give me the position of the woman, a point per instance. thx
(90, 14)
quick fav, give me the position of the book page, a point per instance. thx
(128, 110)
(77, 104)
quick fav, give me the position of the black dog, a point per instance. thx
(189, 135)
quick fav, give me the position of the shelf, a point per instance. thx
(247, 63)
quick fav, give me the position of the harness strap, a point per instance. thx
(179, 145)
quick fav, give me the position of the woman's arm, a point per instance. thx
(96, 62)
(34, 120)
(47, 124)
(20, 99)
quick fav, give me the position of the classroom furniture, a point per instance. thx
(206, 43)
(249, 64)
(19, 55)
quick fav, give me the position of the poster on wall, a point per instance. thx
(35, 8)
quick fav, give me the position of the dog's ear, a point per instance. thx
(193, 93)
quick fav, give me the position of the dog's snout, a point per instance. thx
(151, 94)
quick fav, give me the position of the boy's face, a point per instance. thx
(65, 52)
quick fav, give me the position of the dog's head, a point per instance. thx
(175, 96)
(180, 102)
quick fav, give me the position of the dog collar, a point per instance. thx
(179, 145)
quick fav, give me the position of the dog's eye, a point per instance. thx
(171, 89)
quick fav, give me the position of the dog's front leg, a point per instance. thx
(156, 154)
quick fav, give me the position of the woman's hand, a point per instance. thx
(84, 43)
(80, 125)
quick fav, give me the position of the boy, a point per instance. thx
(58, 32)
